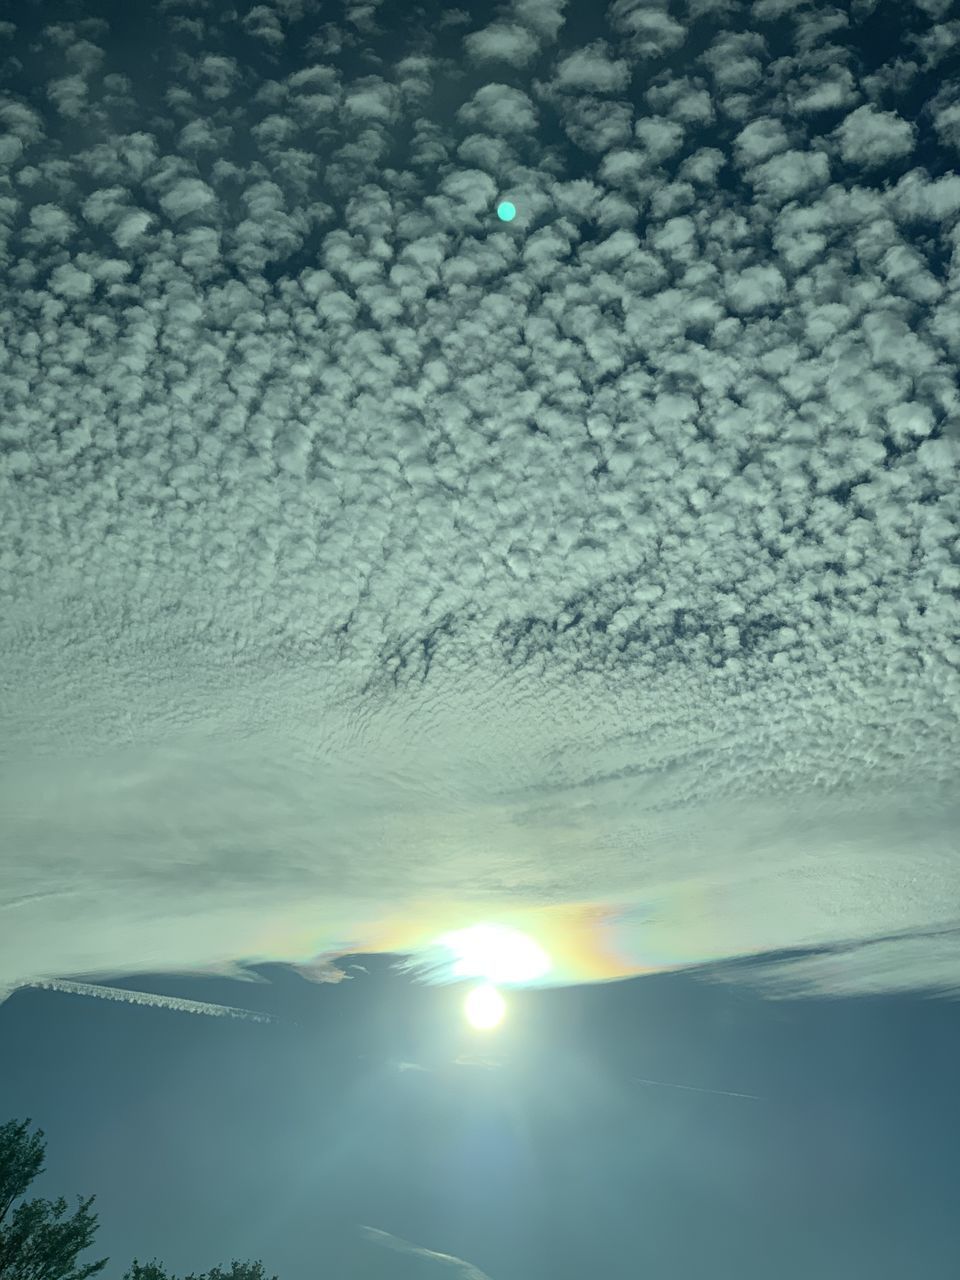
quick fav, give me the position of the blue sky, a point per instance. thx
(363, 1105)
(372, 567)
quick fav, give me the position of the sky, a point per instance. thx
(531, 1153)
(374, 566)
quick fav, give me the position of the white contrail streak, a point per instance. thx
(464, 1269)
(177, 1003)
(726, 1093)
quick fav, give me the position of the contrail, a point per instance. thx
(464, 1269)
(726, 1093)
(177, 1003)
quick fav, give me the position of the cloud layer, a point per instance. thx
(363, 557)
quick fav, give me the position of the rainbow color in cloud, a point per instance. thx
(556, 945)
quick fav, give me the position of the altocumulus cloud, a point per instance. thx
(369, 566)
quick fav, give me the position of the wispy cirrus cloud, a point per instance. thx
(445, 1261)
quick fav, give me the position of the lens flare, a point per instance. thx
(484, 1007)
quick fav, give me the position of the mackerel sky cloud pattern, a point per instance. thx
(371, 566)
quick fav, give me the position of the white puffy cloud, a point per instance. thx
(760, 139)
(649, 31)
(659, 138)
(736, 60)
(683, 99)
(824, 88)
(130, 227)
(70, 282)
(263, 23)
(592, 69)
(756, 287)
(870, 138)
(507, 42)
(499, 109)
(186, 196)
(370, 566)
(790, 175)
(946, 121)
(50, 224)
(934, 8)
(936, 44)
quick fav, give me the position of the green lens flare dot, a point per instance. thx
(506, 212)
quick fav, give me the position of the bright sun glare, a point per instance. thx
(484, 1007)
(496, 953)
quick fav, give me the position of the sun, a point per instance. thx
(495, 953)
(484, 1007)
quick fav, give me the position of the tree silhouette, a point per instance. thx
(238, 1271)
(38, 1245)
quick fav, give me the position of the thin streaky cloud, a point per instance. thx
(177, 1003)
(465, 1269)
(692, 1088)
(468, 1060)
